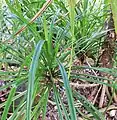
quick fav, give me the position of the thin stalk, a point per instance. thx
(110, 101)
(72, 19)
(38, 14)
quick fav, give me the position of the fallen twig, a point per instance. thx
(76, 85)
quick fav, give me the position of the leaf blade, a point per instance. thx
(31, 79)
(68, 92)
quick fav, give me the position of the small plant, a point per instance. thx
(38, 56)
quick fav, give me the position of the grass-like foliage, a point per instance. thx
(39, 41)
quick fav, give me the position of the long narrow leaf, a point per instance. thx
(8, 103)
(114, 11)
(57, 103)
(31, 80)
(61, 103)
(97, 115)
(68, 92)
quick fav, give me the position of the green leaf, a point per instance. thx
(114, 12)
(45, 105)
(68, 92)
(31, 79)
(21, 17)
(57, 102)
(8, 103)
(60, 105)
(40, 104)
(97, 115)
(13, 116)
